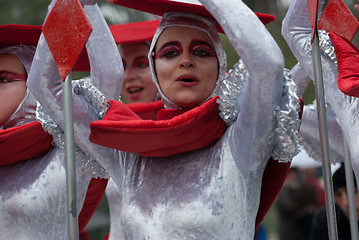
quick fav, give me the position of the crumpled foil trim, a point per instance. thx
(92, 95)
(83, 161)
(325, 44)
(229, 92)
(287, 143)
(287, 134)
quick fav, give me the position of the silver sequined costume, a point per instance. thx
(33, 192)
(213, 192)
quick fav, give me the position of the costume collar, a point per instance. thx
(174, 130)
(23, 142)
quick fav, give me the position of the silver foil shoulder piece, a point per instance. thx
(83, 161)
(325, 44)
(229, 92)
(287, 132)
(92, 95)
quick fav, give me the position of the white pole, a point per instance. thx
(70, 159)
(323, 134)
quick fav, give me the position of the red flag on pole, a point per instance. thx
(313, 15)
(338, 18)
(66, 31)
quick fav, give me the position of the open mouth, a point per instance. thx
(187, 78)
(133, 90)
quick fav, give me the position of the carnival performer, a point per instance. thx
(32, 172)
(33, 188)
(191, 174)
(133, 41)
(296, 30)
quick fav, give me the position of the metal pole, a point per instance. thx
(323, 134)
(70, 159)
(351, 192)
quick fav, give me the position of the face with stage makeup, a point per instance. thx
(12, 85)
(137, 83)
(186, 65)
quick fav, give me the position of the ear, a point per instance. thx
(348, 65)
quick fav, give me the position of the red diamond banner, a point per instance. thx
(66, 31)
(313, 15)
(338, 18)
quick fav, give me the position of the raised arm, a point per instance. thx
(46, 85)
(296, 31)
(105, 60)
(254, 128)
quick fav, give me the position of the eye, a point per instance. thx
(141, 63)
(201, 53)
(169, 50)
(202, 50)
(7, 77)
(5, 80)
(171, 54)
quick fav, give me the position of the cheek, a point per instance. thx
(10, 98)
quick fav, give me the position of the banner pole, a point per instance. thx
(70, 159)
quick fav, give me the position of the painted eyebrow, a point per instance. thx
(13, 75)
(140, 57)
(169, 44)
(200, 42)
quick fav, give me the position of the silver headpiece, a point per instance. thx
(181, 19)
(26, 111)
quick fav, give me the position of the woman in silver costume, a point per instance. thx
(33, 192)
(32, 172)
(175, 185)
(134, 41)
(296, 30)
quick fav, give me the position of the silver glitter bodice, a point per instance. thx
(209, 193)
(33, 198)
(197, 195)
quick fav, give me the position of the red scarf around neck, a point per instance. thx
(174, 130)
(23, 142)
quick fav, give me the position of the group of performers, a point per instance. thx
(190, 150)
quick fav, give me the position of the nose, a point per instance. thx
(129, 74)
(186, 60)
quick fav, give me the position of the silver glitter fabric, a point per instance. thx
(209, 193)
(229, 92)
(92, 95)
(83, 161)
(106, 74)
(297, 32)
(309, 131)
(325, 45)
(287, 143)
(33, 191)
(212, 193)
(287, 138)
(310, 134)
(33, 198)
